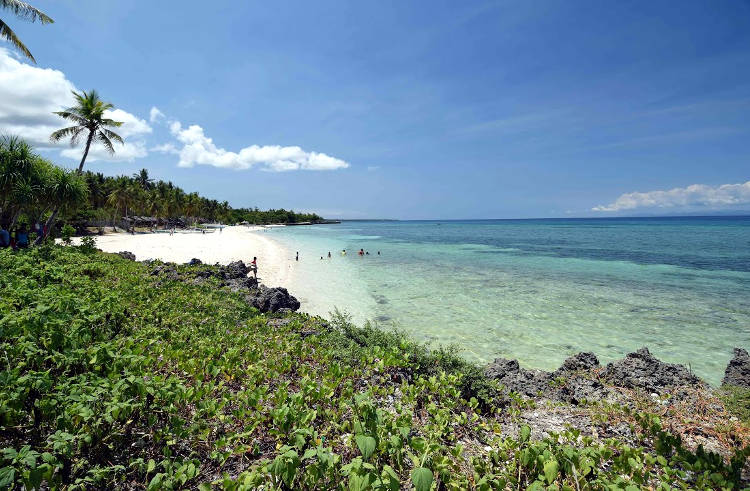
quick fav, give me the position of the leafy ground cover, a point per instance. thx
(113, 377)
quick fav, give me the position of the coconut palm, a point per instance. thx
(88, 116)
(143, 179)
(24, 11)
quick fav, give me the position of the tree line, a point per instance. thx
(139, 195)
(33, 190)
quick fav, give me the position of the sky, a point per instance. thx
(408, 110)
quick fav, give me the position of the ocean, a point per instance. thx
(539, 290)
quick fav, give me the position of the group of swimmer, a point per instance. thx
(361, 253)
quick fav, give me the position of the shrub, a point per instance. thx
(66, 233)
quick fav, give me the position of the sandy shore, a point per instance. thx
(275, 263)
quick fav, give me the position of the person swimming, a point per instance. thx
(343, 252)
(361, 252)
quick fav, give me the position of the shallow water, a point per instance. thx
(540, 290)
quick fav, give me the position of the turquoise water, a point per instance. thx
(540, 290)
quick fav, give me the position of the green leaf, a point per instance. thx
(525, 433)
(550, 470)
(366, 445)
(7, 476)
(151, 466)
(422, 478)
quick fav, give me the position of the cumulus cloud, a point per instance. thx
(155, 115)
(28, 97)
(696, 195)
(199, 149)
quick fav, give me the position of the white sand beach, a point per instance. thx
(275, 263)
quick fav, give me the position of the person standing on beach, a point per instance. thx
(4, 238)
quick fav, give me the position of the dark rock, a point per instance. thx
(530, 383)
(195, 261)
(563, 385)
(167, 271)
(272, 299)
(235, 270)
(577, 390)
(641, 370)
(579, 362)
(127, 255)
(239, 284)
(738, 369)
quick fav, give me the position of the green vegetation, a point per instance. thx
(140, 195)
(116, 378)
(24, 11)
(88, 116)
(33, 190)
(737, 402)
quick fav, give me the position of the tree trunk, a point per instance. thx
(48, 226)
(86, 151)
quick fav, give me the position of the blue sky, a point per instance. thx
(439, 109)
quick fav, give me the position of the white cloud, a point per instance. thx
(696, 195)
(199, 149)
(28, 97)
(166, 148)
(155, 115)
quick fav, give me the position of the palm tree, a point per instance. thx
(143, 179)
(88, 115)
(64, 190)
(24, 11)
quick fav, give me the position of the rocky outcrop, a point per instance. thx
(582, 361)
(641, 370)
(235, 277)
(566, 384)
(195, 262)
(127, 255)
(580, 377)
(233, 271)
(738, 370)
(271, 299)
(166, 271)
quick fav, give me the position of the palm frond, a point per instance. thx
(112, 135)
(111, 122)
(26, 11)
(7, 33)
(71, 115)
(65, 132)
(106, 142)
(76, 136)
